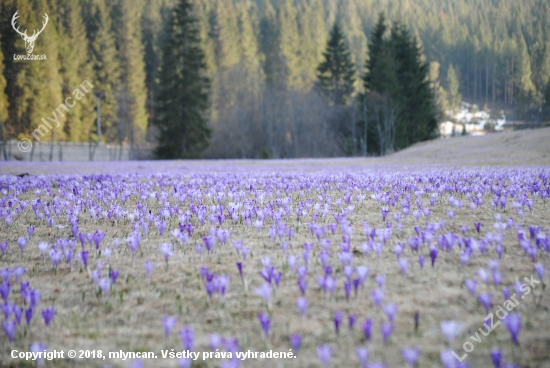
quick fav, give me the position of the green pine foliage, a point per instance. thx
(397, 84)
(4, 103)
(262, 58)
(336, 74)
(75, 66)
(416, 120)
(106, 67)
(131, 93)
(183, 88)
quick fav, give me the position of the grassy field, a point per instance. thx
(349, 194)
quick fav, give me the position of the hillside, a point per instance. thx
(520, 148)
(530, 147)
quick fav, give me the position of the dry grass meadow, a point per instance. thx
(129, 318)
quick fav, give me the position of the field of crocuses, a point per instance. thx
(248, 266)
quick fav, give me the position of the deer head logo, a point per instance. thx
(29, 40)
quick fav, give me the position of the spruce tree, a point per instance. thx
(106, 67)
(4, 103)
(183, 88)
(75, 67)
(270, 46)
(377, 45)
(336, 74)
(131, 92)
(417, 114)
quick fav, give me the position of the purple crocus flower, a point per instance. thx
(386, 328)
(449, 360)
(367, 328)
(499, 248)
(168, 322)
(295, 342)
(421, 260)
(380, 280)
(403, 264)
(302, 284)
(497, 278)
(114, 276)
(264, 291)
(362, 355)
(187, 336)
(513, 323)
(485, 299)
(292, 261)
(7, 309)
(433, 254)
(55, 256)
(18, 313)
(137, 363)
(284, 246)
(351, 321)
(478, 227)
(28, 315)
(18, 272)
(302, 305)
(506, 293)
(324, 352)
(4, 246)
(471, 286)
(105, 285)
(9, 329)
(390, 310)
(149, 268)
(33, 297)
(97, 237)
(347, 289)
(450, 329)
(48, 314)
(362, 273)
(166, 251)
(496, 357)
(5, 274)
(84, 258)
(215, 341)
(22, 242)
(377, 296)
(37, 347)
(539, 269)
(30, 231)
(385, 212)
(5, 290)
(483, 275)
(240, 267)
(411, 356)
(184, 362)
(82, 238)
(244, 252)
(265, 322)
(338, 316)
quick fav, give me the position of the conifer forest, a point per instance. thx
(270, 78)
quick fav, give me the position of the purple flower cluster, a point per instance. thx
(321, 230)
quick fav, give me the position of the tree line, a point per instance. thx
(262, 58)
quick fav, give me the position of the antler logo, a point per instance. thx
(29, 40)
